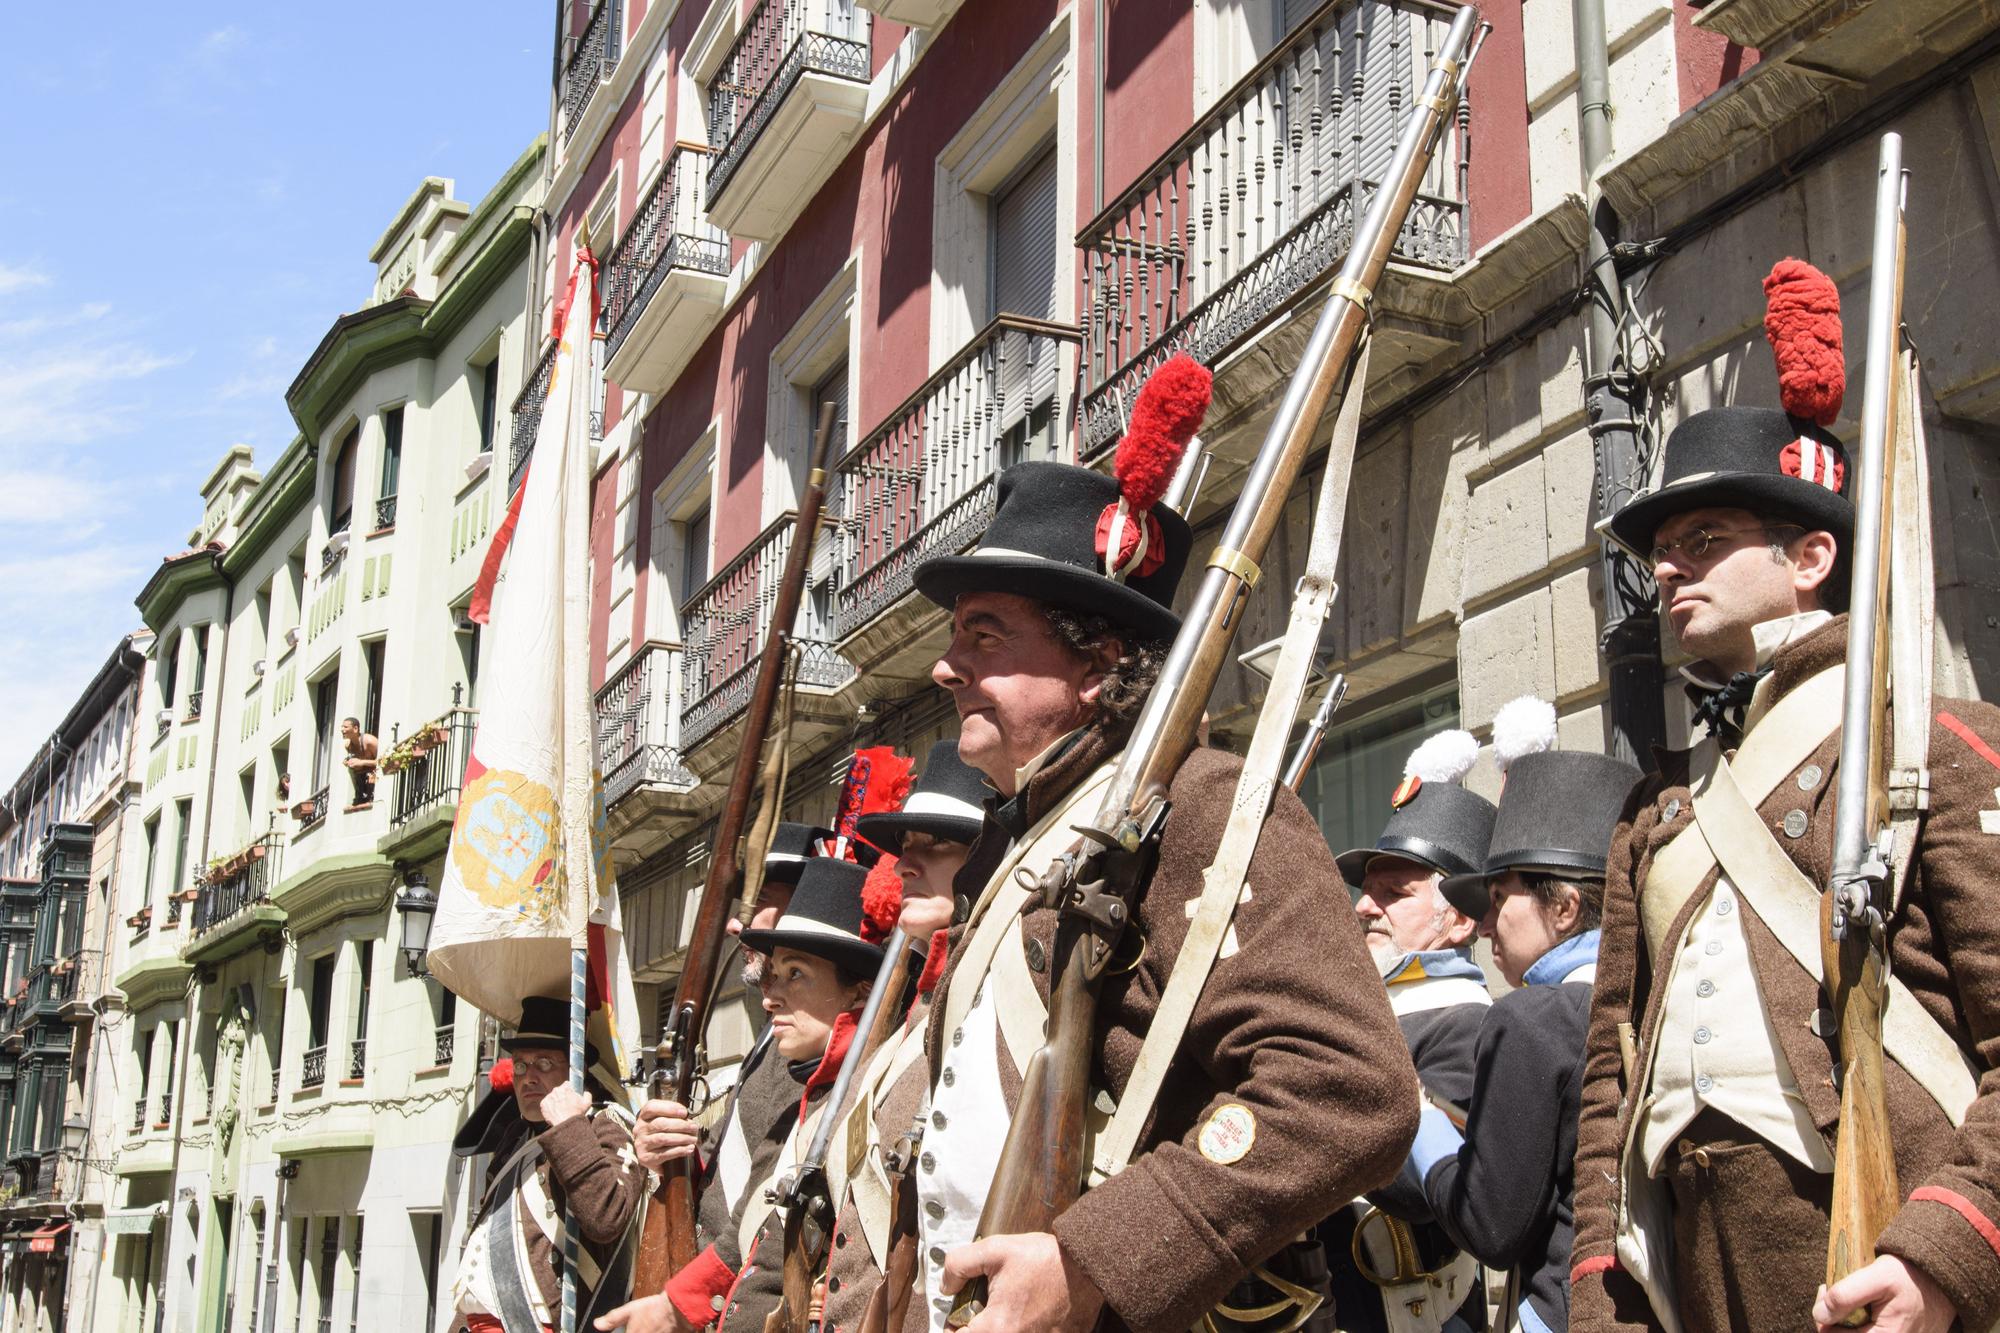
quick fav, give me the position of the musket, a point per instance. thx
(889, 1303)
(804, 1195)
(1308, 746)
(667, 1238)
(1854, 911)
(1044, 1158)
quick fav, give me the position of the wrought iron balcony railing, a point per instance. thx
(277, 1078)
(595, 56)
(239, 881)
(639, 723)
(1257, 203)
(670, 230)
(166, 1110)
(528, 415)
(432, 776)
(781, 42)
(312, 810)
(447, 1040)
(385, 512)
(312, 1067)
(922, 483)
(139, 1115)
(194, 706)
(724, 624)
(357, 1058)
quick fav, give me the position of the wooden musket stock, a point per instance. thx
(667, 1238)
(1043, 1162)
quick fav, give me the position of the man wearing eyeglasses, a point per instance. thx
(1709, 1109)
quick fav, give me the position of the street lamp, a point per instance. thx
(418, 905)
(76, 1136)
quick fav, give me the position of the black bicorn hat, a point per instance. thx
(1558, 812)
(1757, 458)
(824, 918)
(1042, 543)
(1438, 824)
(792, 845)
(946, 801)
(1778, 461)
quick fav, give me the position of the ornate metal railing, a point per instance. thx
(1256, 204)
(241, 880)
(922, 483)
(315, 809)
(723, 626)
(447, 1040)
(312, 1067)
(139, 1115)
(528, 415)
(780, 43)
(277, 1078)
(435, 775)
(639, 723)
(166, 1109)
(385, 512)
(357, 1058)
(670, 230)
(595, 56)
(194, 705)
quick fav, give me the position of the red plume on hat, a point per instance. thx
(501, 1075)
(1802, 322)
(881, 900)
(878, 782)
(1165, 417)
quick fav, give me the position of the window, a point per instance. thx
(429, 1235)
(694, 552)
(1348, 786)
(329, 1251)
(170, 669)
(340, 502)
(489, 403)
(200, 657)
(364, 958)
(354, 1278)
(1025, 241)
(326, 724)
(256, 1282)
(392, 454)
(319, 1001)
(274, 1040)
(183, 819)
(246, 791)
(260, 624)
(372, 654)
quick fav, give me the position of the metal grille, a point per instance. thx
(780, 43)
(312, 1068)
(596, 55)
(923, 483)
(242, 880)
(724, 626)
(528, 415)
(315, 809)
(434, 777)
(166, 1108)
(194, 705)
(385, 512)
(639, 724)
(357, 1058)
(670, 230)
(1257, 203)
(139, 1116)
(447, 1037)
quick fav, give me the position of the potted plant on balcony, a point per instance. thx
(304, 809)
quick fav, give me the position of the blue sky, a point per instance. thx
(190, 195)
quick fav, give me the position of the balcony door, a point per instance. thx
(1358, 75)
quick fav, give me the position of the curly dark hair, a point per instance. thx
(1131, 678)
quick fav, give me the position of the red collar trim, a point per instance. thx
(934, 963)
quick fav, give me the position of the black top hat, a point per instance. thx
(792, 845)
(947, 801)
(1756, 458)
(1557, 814)
(544, 1022)
(1438, 824)
(1042, 543)
(824, 918)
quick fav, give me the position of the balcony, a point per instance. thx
(932, 14)
(233, 911)
(311, 812)
(446, 1041)
(194, 706)
(784, 107)
(639, 740)
(725, 623)
(357, 1059)
(591, 62)
(1245, 218)
(385, 513)
(922, 484)
(665, 281)
(528, 416)
(312, 1067)
(429, 768)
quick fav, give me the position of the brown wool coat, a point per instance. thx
(1295, 1027)
(1945, 945)
(588, 1168)
(851, 1273)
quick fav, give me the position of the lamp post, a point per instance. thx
(417, 905)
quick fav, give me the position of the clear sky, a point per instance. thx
(188, 199)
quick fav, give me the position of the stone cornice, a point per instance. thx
(333, 888)
(151, 981)
(356, 346)
(177, 578)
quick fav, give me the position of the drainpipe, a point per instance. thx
(1614, 407)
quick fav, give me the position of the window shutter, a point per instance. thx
(1027, 238)
(1359, 117)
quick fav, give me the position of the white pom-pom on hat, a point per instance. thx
(1445, 757)
(1525, 726)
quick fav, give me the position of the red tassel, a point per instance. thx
(878, 781)
(881, 901)
(1802, 323)
(501, 1076)
(934, 963)
(1165, 417)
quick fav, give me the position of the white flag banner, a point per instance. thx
(528, 876)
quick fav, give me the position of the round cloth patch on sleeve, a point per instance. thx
(1227, 1136)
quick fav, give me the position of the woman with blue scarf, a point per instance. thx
(1502, 1189)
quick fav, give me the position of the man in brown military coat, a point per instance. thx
(1292, 1086)
(1709, 1110)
